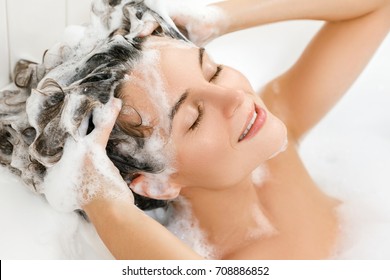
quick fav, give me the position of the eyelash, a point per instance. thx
(200, 108)
(199, 118)
(219, 69)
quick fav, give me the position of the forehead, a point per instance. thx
(166, 70)
(172, 60)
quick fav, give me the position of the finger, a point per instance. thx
(104, 118)
(83, 128)
(139, 186)
(148, 28)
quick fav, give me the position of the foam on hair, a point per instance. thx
(63, 180)
(202, 27)
(51, 103)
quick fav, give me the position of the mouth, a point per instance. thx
(254, 123)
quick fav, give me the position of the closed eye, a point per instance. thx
(200, 106)
(199, 118)
(216, 74)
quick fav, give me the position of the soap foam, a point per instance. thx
(364, 213)
(81, 174)
(263, 226)
(206, 22)
(68, 185)
(183, 224)
(259, 175)
(158, 143)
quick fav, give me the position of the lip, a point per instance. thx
(257, 125)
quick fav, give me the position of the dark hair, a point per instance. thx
(32, 134)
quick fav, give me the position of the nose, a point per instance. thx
(228, 100)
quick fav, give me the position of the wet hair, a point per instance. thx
(51, 101)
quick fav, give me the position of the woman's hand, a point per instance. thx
(198, 22)
(84, 172)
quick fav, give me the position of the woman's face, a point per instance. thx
(219, 128)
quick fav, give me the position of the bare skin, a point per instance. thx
(302, 218)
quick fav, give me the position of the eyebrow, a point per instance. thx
(184, 96)
(178, 104)
(201, 55)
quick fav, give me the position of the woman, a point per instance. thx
(301, 219)
(218, 131)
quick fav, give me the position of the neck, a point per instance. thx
(230, 218)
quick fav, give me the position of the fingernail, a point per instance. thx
(117, 103)
(148, 29)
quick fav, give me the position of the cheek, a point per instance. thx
(202, 153)
(271, 140)
(207, 160)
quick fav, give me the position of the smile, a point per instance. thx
(254, 124)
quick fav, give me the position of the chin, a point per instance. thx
(273, 139)
(280, 139)
(282, 148)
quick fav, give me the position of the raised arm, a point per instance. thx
(328, 67)
(244, 14)
(130, 234)
(331, 62)
(85, 178)
(126, 231)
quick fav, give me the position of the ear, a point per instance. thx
(152, 187)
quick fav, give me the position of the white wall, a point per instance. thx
(347, 153)
(77, 11)
(29, 27)
(4, 54)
